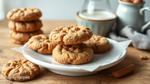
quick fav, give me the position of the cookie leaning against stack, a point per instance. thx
(41, 44)
(24, 23)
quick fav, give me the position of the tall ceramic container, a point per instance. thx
(131, 15)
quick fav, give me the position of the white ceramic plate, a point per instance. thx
(101, 61)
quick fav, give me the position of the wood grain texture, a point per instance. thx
(140, 76)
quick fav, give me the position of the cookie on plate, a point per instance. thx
(24, 14)
(20, 70)
(23, 37)
(72, 54)
(41, 44)
(70, 35)
(99, 44)
(29, 26)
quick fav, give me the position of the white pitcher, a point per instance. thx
(131, 15)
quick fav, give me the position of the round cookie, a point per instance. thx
(29, 26)
(24, 14)
(23, 37)
(99, 44)
(72, 54)
(17, 42)
(41, 44)
(20, 70)
(70, 35)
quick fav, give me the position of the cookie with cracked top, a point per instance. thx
(20, 70)
(24, 14)
(29, 26)
(70, 35)
(41, 44)
(99, 44)
(23, 37)
(73, 54)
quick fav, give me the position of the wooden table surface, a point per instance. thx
(140, 76)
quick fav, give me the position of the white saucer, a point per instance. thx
(101, 61)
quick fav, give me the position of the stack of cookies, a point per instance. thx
(70, 44)
(24, 23)
(70, 48)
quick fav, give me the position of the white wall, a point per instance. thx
(52, 9)
(55, 9)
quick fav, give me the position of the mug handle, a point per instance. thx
(142, 10)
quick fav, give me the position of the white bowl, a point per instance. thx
(101, 61)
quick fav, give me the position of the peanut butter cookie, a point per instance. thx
(17, 42)
(70, 35)
(29, 26)
(23, 37)
(24, 14)
(72, 54)
(20, 70)
(99, 44)
(41, 44)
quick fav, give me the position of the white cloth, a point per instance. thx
(139, 40)
(148, 33)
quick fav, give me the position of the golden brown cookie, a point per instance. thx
(72, 54)
(99, 44)
(70, 35)
(29, 26)
(20, 70)
(23, 37)
(17, 42)
(24, 14)
(41, 44)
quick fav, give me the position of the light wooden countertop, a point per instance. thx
(140, 76)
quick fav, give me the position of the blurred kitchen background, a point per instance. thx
(53, 9)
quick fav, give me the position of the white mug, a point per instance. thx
(130, 14)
